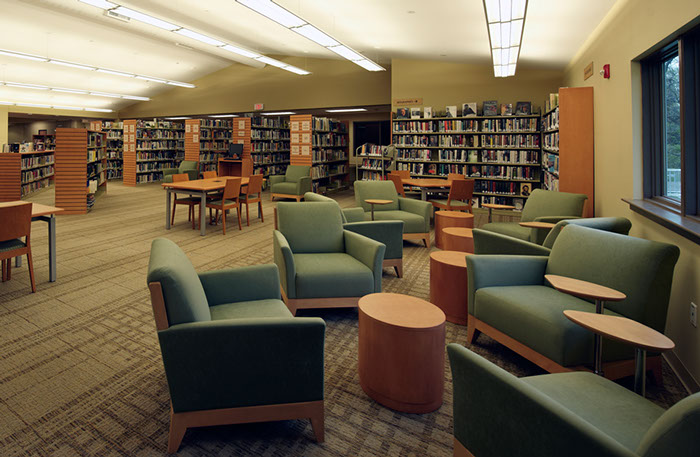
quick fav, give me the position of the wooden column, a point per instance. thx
(300, 139)
(576, 144)
(241, 135)
(10, 176)
(129, 153)
(192, 139)
(71, 170)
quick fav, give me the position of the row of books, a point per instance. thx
(503, 187)
(213, 146)
(155, 145)
(267, 170)
(153, 156)
(208, 166)
(216, 123)
(550, 141)
(511, 141)
(325, 124)
(108, 125)
(550, 182)
(208, 157)
(528, 124)
(276, 135)
(326, 155)
(270, 122)
(369, 149)
(550, 162)
(37, 173)
(509, 172)
(259, 159)
(372, 164)
(36, 185)
(145, 134)
(115, 135)
(159, 124)
(551, 102)
(154, 176)
(329, 139)
(270, 147)
(94, 140)
(153, 166)
(114, 173)
(324, 171)
(551, 120)
(37, 161)
(94, 170)
(437, 126)
(96, 154)
(115, 155)
(215, 134)
(501, 156)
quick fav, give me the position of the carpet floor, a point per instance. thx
(80, 366)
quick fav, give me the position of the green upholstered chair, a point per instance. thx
(321, 264)
(186, 166)
(486, 242)
(510, 300)
(565, 414)
(227, 340)
(415, 214)
(541, 206)
(293, 184)
(388, 232)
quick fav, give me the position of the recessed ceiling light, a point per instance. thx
(223, 115)
(345, 110)
(280, 113)
(178, 118)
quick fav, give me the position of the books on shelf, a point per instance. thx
(451, 111)
(469, 109)
(490, 108)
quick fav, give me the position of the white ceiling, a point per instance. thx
(452, 30)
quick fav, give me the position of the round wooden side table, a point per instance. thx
(448, 284)
(374, 201)
(401, 352)
(444, 219)
(458, 239)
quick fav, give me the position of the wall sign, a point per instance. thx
(588, 71)
(408, 101)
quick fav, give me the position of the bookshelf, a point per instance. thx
(269, 145)
(322, 143)
(10, 176)
(568, 147)
(115, 149)
(501, 153)
(44, 142)
(206, 141)
(37, 170)
(373, 164)
(148, 147)
(80, 176)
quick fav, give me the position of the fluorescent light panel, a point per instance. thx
(280, 113)
(345, 110)
(223, 115)
(71, 91)
(505, 21)
(72, 65)
(146, 19)
(273, 11)
(177, 118)
(41, 105)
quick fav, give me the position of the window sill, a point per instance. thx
(686, 227)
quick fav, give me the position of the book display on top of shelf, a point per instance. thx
(469, 109)
(427, 112)
(500, 152)
(415, 113)
(490, 108)
(148, 147)
(523, 108)
(451, 111)
(321, 143)
(403, 113)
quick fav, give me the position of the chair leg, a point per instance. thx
(260, 211)
(223, 218)
(177, 432)
(8, 272)
(238, 213)
(317, 423)
(31, 269)
(4, 267)
(247, 214)
(192, 215)
(399, 270)
(472, 332)
(426, 240)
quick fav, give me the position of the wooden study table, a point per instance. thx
(627, 331)
(200, 187)
(47, 214)
(426, 184)
(585, 289)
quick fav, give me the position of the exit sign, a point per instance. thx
(258, 106)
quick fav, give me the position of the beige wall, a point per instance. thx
(333, 83)
(440, 84)
(632, 28)
(25, 133)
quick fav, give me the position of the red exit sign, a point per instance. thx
(258, 106)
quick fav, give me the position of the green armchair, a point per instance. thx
(190, 167)
(388, 232)
(541, 206)
(486, 242)
(415, 214)
(294, 184)
(571, 414)
(321, 264)
(509, 299)
(227, 339)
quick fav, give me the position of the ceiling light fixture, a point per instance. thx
(273, 11)
(223, 115)
(111, 7)
(179, 118)
(72, 91)
(505, 20)
(345, 110)
(41, 105)
(22, 55)
(280, 113)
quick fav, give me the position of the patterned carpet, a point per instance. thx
(81, 371)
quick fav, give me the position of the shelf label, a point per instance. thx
(195, 138)
(195, 128)
(294, 126)
(295, 149)
(588, 71)
(188, 128)
(294, 137)
(306, 138)
(306, 150)
(306, 125)
(241, 125)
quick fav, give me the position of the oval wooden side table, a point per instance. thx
(458, 239)
(401, 352)
(444, 219)
(448, 284)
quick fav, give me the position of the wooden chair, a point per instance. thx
(459, 198)
(230, 200)
(405, 174)
(398, 183)
(452, 176)
(253, 195)
(208, 174)
(16, 223)
(191, 202)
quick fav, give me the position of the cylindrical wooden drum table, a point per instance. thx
(401, 352)
(458, 239)
(445, 219)
(448, 284)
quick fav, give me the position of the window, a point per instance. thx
(671, 125)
